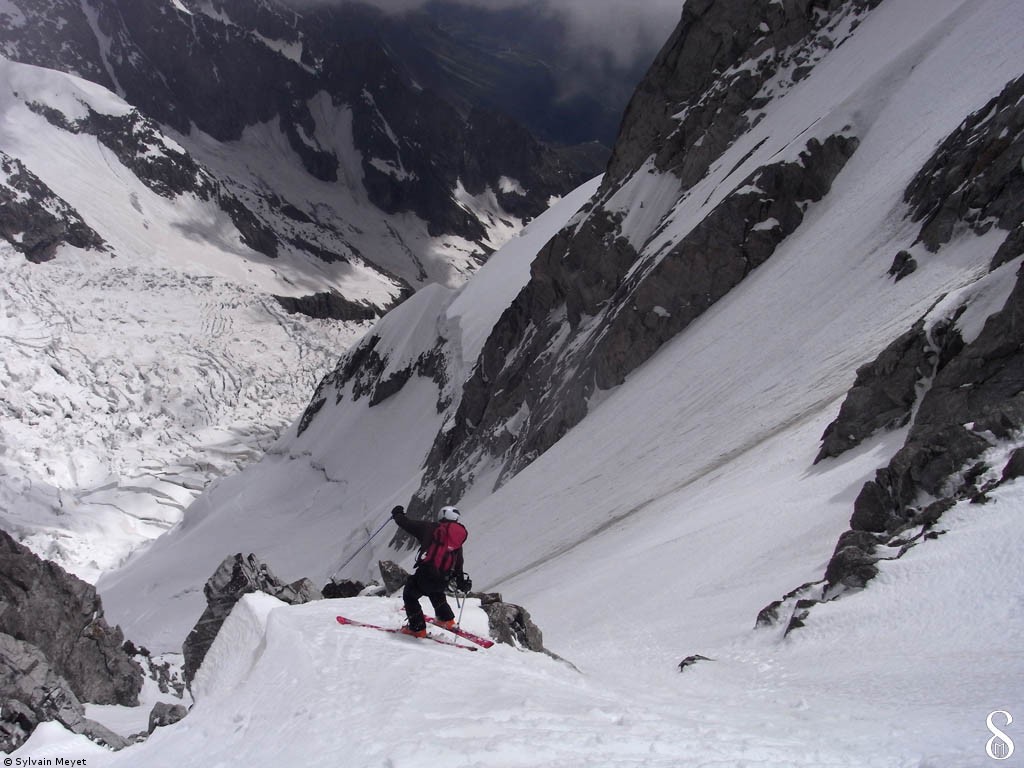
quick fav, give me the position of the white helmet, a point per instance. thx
(449, 513)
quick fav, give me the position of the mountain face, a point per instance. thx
(751, 246)
(619, 282)
(773, 352)
(344, 107)
(34, 219)
(221, 197)
(607, 294)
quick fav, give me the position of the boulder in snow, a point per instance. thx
(165, 713)
(343, 588)
(393, 575)
(511, 624)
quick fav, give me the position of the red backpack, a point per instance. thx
(448, 538)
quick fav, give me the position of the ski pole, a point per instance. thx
(462, 604)
(361, 548)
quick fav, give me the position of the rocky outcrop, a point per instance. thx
(328, 305)
(510, 624)
(725, 61)
(392, 575)
(973, 181)
(886, 389)
(689, 661)
(361, 373)
(342, 588)
(961, 391)
(62, 617)
(34, 219)
(236, 576)
(31, 692)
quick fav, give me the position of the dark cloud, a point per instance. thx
(621, 29)
(625, 29)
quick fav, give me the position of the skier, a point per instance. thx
(439, 561)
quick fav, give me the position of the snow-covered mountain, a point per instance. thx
(753, 395)
(223, 194)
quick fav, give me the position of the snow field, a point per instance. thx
(111, 429)
(288, 685)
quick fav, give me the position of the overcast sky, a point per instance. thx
(625, 28)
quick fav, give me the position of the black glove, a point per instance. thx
(462, 582)
(397, 511)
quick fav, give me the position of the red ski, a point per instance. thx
(397, 631)
(483, 642)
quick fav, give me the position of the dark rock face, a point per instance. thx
(62, 616)
(1015, 466)
(31, 692)
(630, 313)
(70, 46)
(34, 219)
(328, 304)
(713, 37)
(974, 179)
(887, 388)
(236, 576)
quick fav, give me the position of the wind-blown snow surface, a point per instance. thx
(658, 527)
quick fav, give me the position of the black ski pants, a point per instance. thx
(427, 582)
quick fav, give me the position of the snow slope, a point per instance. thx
(328, 491)
(287, 685)
(658, 527)
(134, 377)
(131, 377)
